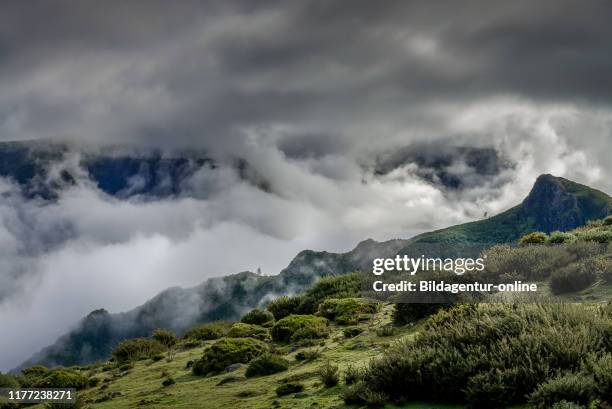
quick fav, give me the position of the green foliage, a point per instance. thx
(352, 374)
(307, 355)
(407, 313)
(329, 374)
(598, 236)
(385, 331)
(35, 371)
(168, 381)
(267, 364)
(63, 378)
(575, 277)
(296, 327)
(604, 267)
(284, 306)
(489, 353)
(351, 332)
(289, 388)
(207, 332)
(608, 221)
(347, 311)
(358, 394)
(600, 367)
(558, 237)
(536, 237)
(137, 348)
(7, 381)
(343, 286)
(242, 330)
(165, 337)
(258, 317)
(228, 351)
(576, 388)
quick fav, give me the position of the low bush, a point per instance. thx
(575, 277)
(608, 221)
(597, 236)
(289, 388)
(478, 352)
(385, 331)
(165, 337)
(309, 326)
(284, 306)
(359, 394)
(604, 267)
(63, 378)
(228, 351)
(207, 332)
(168, 381)
(307, 355)
(533, 238)
(351, 332)
(242, 330)
(576, 388)
(407, 313)
(266, 364)
(345, 311)
(558, 237)
(137, 348)
(567, 405)
(7, 381)
(329, 374)
(600, 367)
(352, 374)
(258, 317)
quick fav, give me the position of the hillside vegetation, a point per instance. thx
(328, 347)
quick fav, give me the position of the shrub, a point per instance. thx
(241, 330)
(533, 238)
(604, 267)
(351, 332)
(7, 381)
(63, 378)
(136, 349)
(359, 393)
(164, 337)
(329, 374)
(575, 277)
(569, 387)
(35, 371)
(168, 381)
(310, 326)
(567, 405)
(289, 388)
(266, 364)
(284, 306)
(601, 369)
(347, 310)
(608, 221)
(307, 355)
(343, 286)
(506, 347)
(385, 331)
(558, 237)
(258, 317)
(406, 313)
(598, 236)
(228, 351)
(207, 332)
(352, 374)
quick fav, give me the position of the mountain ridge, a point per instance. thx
(553, 204)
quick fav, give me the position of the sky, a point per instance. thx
(341, 107)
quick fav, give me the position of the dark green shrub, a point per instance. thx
(228, 351)
(309, 326)
(329, 374)
(307, 355)
(486, 349)
(558, 237)
(35, 371)
(351, 332)
(165, 337)
(359, 393)
(157, 358)
(207, 332)
(407, 313)
(608, 221)
(266, 364)
(385, 331)
(137, 348)
(289, 388)
(284, 306)
(347, 311)
(576, 388)
(575, 277)
(7, 381)
(600, 367)
(242, 330)
(63, 378)
(567, 405)
(343, 286)
(533, 238)
(603, 266)
(352, 374)
(258, 317)
(597, 236)
(168, 381)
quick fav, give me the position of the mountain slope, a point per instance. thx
(553, 204)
